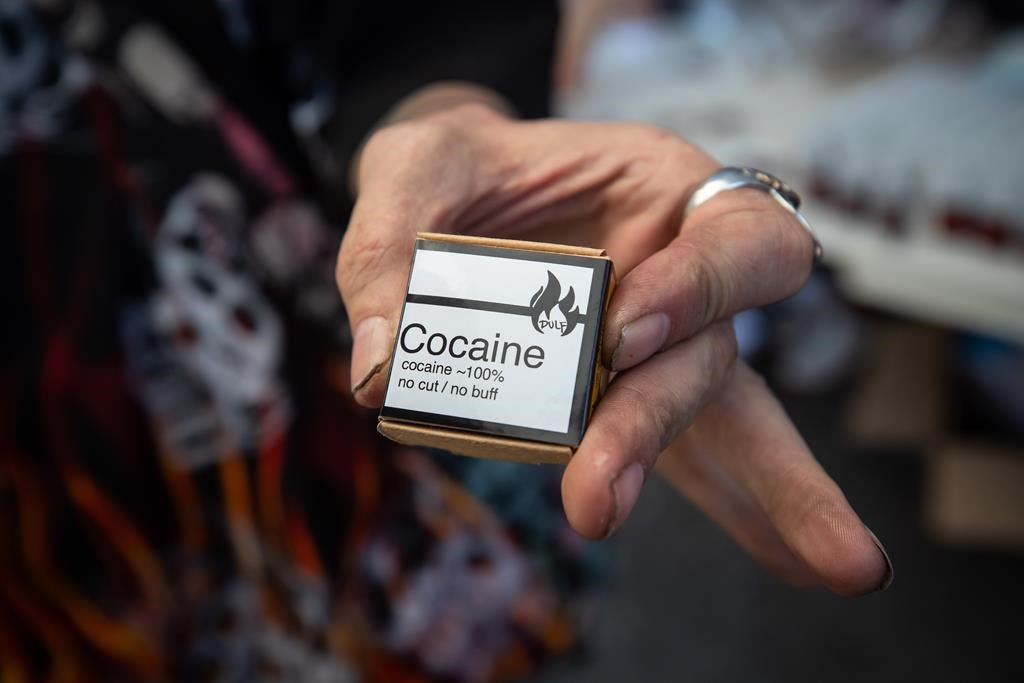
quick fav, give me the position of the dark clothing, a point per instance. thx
(187, 491)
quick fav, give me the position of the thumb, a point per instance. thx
(405, 188)
(372, 267)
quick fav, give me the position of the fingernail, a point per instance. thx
(626, 488)
(369, 350)
(887, 579)
(640, 340)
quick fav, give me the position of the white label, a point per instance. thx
(492, 339)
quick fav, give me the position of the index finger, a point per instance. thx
(739, 251)
(372, 264)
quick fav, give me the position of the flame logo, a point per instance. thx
(543, 303)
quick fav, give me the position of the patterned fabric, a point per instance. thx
(187, 491)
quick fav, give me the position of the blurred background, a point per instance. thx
(902, 123)
(169, 510)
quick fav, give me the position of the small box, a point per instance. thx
(498, 352)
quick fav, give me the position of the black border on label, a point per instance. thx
(591, 321)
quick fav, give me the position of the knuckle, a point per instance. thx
(359, 260)
(707, 292)
(798, 251)
(712, 289)
(681, 157)
(425, 138)
(664, 420)
(724, 354)
(788, 246)
(675, 152)
(382, 143)
(658, 137)
(411, 142)
(814, 508)
(663, 141)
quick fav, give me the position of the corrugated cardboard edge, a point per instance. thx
(486, 445)
(477, 445)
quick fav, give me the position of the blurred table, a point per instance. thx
(772, 117)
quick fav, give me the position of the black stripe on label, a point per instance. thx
(474, 305)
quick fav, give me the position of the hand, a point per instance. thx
(723, 439)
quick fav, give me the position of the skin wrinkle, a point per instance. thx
(584, 209)
(788, 247)
(788, 234)
(642, 407)
(667, 225)
(710, 296)
(537, 210)
(667, 152)
(583, 174)
(529, 185)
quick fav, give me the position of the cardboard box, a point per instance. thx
(975, 495)
(498, 353)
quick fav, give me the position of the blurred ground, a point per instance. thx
(685, 604)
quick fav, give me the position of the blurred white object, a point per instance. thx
(940, 136)
(839, 29)
(227, 335)
(910, 145)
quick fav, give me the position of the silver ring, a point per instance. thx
(733, 178)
